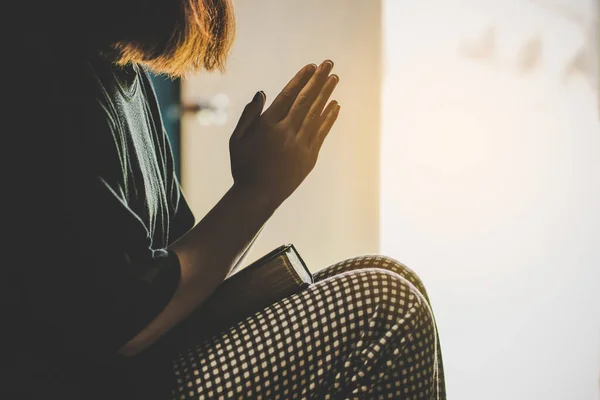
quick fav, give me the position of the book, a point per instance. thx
(273, 277)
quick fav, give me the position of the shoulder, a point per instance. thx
(76, 94)
(76, 119)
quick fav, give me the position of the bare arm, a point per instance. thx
(271, 154)
(240, 260)
(206, 254)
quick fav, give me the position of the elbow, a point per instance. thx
(144, 339)
(147, 336)
(132, 348)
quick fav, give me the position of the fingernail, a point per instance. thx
(310, 68)
(328, 62)
(257, 96)
(337, 78)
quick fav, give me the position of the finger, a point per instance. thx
(307, 95)
(284, 100)
(250, 113)
(328, 119)
(313, 118)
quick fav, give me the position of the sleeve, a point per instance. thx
(103, 282)
(182, 217)
(117, 282)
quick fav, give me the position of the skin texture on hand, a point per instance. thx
(273, 153)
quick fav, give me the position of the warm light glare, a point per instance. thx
(490, 178)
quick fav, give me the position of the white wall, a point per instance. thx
(491, 188)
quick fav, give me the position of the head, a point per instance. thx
(169, 36)
(195, 35)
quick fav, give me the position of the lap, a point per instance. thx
(336, 336)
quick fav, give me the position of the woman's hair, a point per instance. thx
(168, 36)
(193, 35)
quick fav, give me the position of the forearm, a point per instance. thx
(206, 254)
(273, 151)
(245, 252)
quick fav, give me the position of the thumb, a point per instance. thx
(250, 113)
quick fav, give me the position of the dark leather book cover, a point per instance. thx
(273, 277)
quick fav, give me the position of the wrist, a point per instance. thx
(258, 199)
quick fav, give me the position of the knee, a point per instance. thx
(395, 266)
(391, 293)
(374, 261)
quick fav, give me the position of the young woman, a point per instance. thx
(133, 263)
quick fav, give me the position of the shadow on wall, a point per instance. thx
(584, 60)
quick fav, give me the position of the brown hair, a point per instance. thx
(193, 35)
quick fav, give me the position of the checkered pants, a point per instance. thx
(364, 330)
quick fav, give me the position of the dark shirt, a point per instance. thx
(111, 273)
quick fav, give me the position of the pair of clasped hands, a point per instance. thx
(272, 152)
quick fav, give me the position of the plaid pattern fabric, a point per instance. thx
(364, 330)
